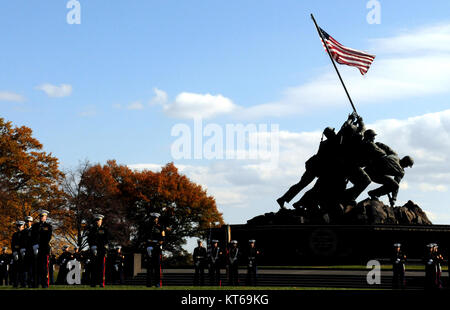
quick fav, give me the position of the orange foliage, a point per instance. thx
(29, 179)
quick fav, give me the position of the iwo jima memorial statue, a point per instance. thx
(327, 224)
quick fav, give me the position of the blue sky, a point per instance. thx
(263, 57)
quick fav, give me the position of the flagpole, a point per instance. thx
(332, 61)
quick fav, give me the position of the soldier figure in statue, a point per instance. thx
(389, 172)
(351, 155)
(313, 166)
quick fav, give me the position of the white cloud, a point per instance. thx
(431, 215)
(426, 187)
(136, 105)
(51, 90)
(160, 97)
(404, 185)
(191, 105)
(151, 167)
(413, 64)
(434, 38)
(10, 96)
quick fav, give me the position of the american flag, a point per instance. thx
(347, 56)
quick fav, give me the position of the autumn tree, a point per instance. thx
(95, 189)
(185, 207)
(76, 205)
(30, 179)
(127, 198)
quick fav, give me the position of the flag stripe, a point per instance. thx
(347, 56)
(344, 52)
(350, 57)
(362, 54)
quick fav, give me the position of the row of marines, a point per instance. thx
(432, 260)
(229, 258)
(31, 263)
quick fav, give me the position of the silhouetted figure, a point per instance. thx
(42, 234)
(351, 155)
(398, 267)
(215, 258)
(18, 253)
(199, 257)
(252, 263)
(354, 155)
(433, 268)
(118, 263)
(154, 239)
(233, 263)
(98, 238)
(388, 171)
(315, 166)
(29, 259)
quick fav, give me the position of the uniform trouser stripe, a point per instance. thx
(47, 272)
(160, 271)
(103, 270)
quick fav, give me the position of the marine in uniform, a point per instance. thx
(5, 260)
(432, 276)
(18, 247)
(152, 250)
(118, 263)
(42, 234)
(233, 263)
(199, 257)
(398, 267)
(214, 261)
(62, 261)
(98, 239)
(29, 260)
(438, 259)
(252, 257)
